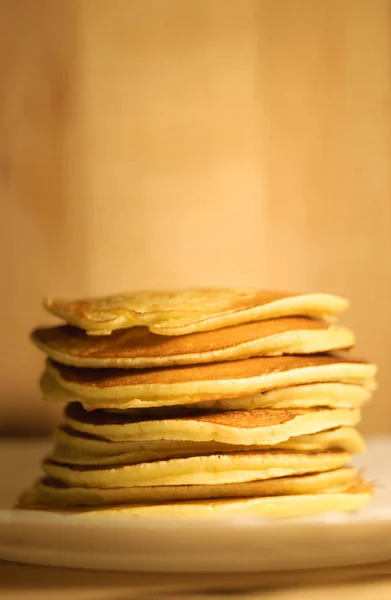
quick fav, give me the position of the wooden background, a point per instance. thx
(148, 143)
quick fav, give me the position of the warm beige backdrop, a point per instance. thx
(152, 143)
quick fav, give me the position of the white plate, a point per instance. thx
(237, 544)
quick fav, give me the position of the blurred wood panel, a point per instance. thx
(326, 105)
(43, 241)
(167, 143)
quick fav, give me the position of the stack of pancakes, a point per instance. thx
(203, 402)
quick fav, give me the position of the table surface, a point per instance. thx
(19, 465)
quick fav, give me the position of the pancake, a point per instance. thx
(107, 388)
(139, 348)
(358, 495)
(198, 470)
(187, 311)
(55, 493)
(333, 395)
(256, 427)
(74, 447)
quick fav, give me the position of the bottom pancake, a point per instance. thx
(277, 506)
(51, 492)
(351, 499)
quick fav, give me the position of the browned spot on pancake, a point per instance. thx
(139, 342)
(261, 417)
(246, 419)
(239, 369)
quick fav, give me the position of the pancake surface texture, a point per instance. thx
(208, 469)
(187, 311)
(259, 426)
(139, 348)
(304, 504)
(333, 395)
(75, 447)
(57, 493)
(215, 381)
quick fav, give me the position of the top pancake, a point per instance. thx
(187, 311)
(140, 348)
